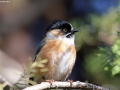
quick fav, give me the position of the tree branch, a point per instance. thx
(66, 85)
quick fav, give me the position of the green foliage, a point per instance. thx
(95, 28)
(101, 64)
(118, 17)
(112, 55)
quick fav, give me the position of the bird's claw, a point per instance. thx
(71, 81)
(50, 81)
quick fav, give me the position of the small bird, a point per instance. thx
(58, 48)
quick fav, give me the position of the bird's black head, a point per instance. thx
(58, 24)
(59, 27)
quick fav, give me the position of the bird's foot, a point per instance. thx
(71, 81)
(50, 81)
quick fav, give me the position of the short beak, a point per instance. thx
(74, 31)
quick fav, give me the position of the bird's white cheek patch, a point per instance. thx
(69, 41)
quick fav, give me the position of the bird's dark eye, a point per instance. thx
(64, 30)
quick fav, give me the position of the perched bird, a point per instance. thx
(58, 48)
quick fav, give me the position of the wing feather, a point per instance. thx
(38, 50)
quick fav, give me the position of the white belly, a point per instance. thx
(64, 64)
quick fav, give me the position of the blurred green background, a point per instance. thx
(22, 24)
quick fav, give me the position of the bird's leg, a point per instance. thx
(71, 81)
(50, 81)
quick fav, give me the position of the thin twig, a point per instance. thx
(66, 85)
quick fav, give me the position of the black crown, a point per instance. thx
(58, 24)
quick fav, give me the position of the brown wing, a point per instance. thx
(42, 43)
